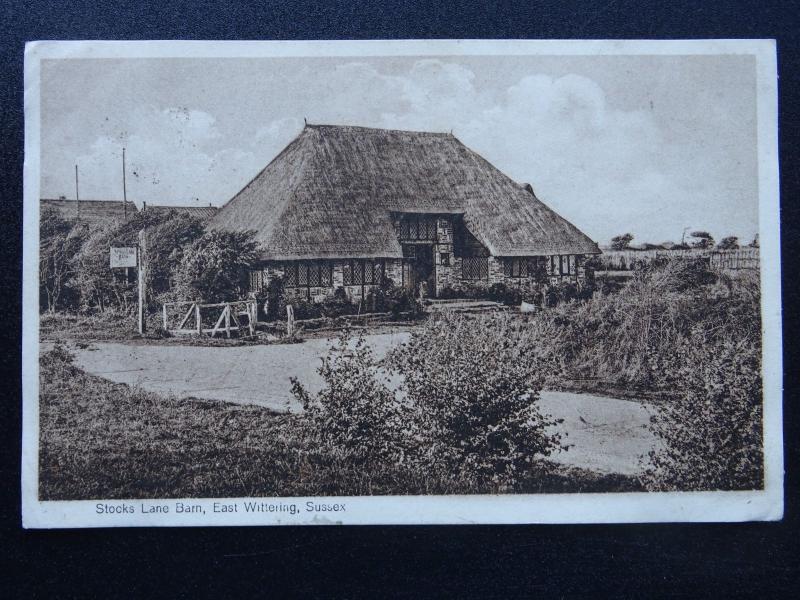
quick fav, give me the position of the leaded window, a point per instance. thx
(308, 274)
(517, 267)
(475, 267)
(418, 228)
(363, 272)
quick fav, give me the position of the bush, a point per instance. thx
(355, 417)
(338, 304)
(711, 432)
(215, 267)
(275, 303)
(59, 243)
(474, 391)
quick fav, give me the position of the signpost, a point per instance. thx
(123, 257)
(142, 276)
(133, 256)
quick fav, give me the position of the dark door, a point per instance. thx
(424, 271)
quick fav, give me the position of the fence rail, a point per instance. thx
(237, 316)
(719, 260)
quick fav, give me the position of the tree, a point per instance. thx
(215, 267)
(59, 244)
(702, 240)
(166, 243)
(621, 242)
(729, 243)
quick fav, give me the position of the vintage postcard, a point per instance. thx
(401, 282)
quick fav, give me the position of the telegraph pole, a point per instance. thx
(124, 191)
(141, 254)
(77, 196)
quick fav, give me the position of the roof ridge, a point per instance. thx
(362, 128)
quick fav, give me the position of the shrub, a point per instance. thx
(711, 433)
(59, 243)
(215, 267)
(356, 416)
(275, 302)
(474, 392)
(337, 304)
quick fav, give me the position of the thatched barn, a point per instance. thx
(348, 207)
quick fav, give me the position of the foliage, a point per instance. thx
(702, 239)
(621, 242)
(729, 243)
(617, 337)
(355, 416)
(710, 433)
(474, 390)
(338, 304)
(275, 305)
(215, 267)
(166, 243)
(103, 287)
(59, 243)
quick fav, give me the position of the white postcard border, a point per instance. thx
(635, 507)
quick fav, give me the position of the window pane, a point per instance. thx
(430, 229)
(291, 275)
(368, 272)
(523, 267)
(404, 229)
(358, 272)
(483, 264)
(378, 271)
(302, 274)
(325, 274)
(572, 269)
(508, 267)
(413, 227)
(314, 279)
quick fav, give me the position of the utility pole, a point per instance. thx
(683, 235)
(124, 191)
(142, 269)
(77, 196)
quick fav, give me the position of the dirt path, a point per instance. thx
(607, 434)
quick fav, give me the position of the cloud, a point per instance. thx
(606, 169)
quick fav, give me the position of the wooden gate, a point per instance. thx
(239, 316)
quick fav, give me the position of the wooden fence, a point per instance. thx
(719, 260)
(238, 316)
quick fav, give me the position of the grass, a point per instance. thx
(101, 440)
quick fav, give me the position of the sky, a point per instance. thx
(651, 145)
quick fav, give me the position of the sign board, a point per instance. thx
(123, 257)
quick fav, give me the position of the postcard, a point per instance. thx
(401, 282)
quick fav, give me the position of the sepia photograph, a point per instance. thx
(401, 282)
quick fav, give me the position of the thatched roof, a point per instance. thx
(330, 194)
(201, 212)
(94, 212)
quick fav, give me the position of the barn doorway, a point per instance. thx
(419, 272)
